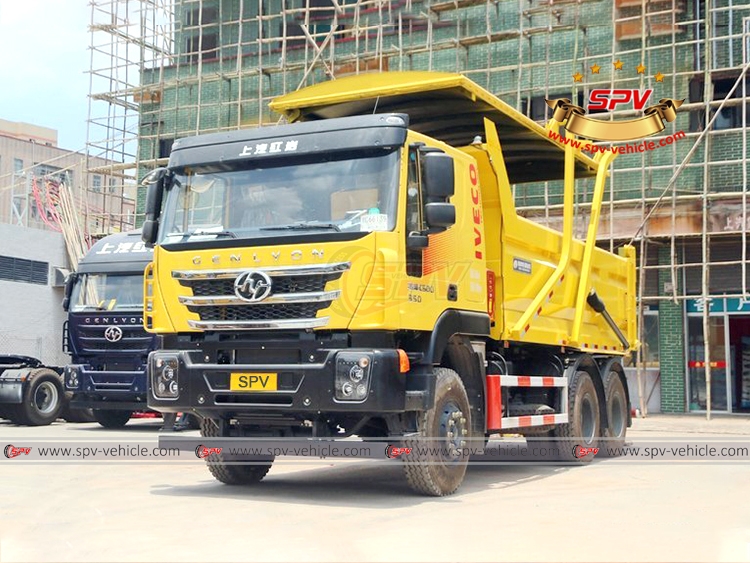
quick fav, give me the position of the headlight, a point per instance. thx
(164, 377)
(352, 376)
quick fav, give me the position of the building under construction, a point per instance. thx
(165, 69)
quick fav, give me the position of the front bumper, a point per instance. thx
(112, 390)
(302, 388)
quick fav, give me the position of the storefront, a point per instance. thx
(729, 354)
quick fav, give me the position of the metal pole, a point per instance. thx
(707, 95)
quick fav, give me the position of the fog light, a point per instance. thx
(352, 380)
(164, 377)
(356, 374)
(71, 378)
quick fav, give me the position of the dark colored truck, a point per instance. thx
(104, 332)
(30, 392)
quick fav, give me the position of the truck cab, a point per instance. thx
(104, 331)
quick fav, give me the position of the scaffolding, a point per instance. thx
(164, 69)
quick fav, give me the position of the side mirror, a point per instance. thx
(156, 181)
(69, 283)
(440, 216)
(438, 178)
(417, 241)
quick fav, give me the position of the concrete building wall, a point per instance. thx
(26, 159)
(31, 315)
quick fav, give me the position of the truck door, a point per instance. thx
(440, 263)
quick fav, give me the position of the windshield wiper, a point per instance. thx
(303, 226)
(225, 234)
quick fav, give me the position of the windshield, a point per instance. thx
(346, 195)
(105, 292)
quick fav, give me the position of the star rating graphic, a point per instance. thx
(618, 65)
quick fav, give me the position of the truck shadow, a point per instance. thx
(364, 484)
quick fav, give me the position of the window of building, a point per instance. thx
(536, 108)
(21, 270)
(650, 339)
(165, 147)
(17, 165)
(730, 116)
(112, 186)
(97, 183)
(198, 16)
(202, 46)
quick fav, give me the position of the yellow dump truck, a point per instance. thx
(362, 271)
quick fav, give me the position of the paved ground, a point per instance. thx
(357, 510)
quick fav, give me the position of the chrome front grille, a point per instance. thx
(134, 339)
(297, 295)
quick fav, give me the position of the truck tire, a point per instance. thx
(43, 399)
(583, 428)
(440, 473)
(232, 472)
(194, 422)
(617, 414)
(112, 418)
(78, 415)
(75, 415)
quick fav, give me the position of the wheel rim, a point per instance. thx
(46, 397)
(453, 430)
(617, 418)
(588, 420)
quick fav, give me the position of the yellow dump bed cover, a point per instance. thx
(445, 106)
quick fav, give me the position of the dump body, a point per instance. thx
(104, 331)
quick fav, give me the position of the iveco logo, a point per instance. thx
(252, 285)
(113, 334)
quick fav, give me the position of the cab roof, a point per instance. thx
(445, 106)
(117, 253)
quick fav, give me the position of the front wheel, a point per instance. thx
(42, 399)
(230, 470)
(437, 463)
(112, 419)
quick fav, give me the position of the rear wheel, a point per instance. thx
(230, 470)
(437, 463)
(42, 399)
(112, 418)
(617, 413)
(581, 433)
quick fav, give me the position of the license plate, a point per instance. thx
(253, 382)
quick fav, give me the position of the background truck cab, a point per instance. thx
(104, 331)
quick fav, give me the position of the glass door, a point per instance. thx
(717, 339)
